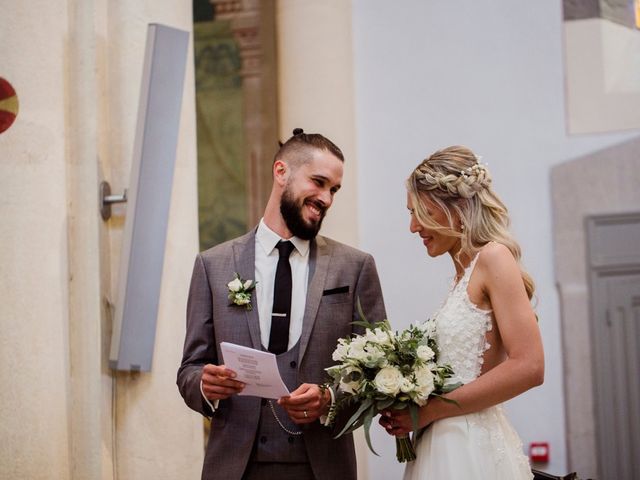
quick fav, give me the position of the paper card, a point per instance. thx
(256, 368)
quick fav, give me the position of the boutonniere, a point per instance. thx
(240, 291)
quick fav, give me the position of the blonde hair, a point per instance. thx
(453, 179)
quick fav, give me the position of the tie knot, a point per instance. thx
(285, 248)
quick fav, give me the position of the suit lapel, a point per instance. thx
(319, 256)
(244, 254)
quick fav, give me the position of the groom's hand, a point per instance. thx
(218, 382)
(306, 403)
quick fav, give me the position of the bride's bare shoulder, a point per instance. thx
(495, 257)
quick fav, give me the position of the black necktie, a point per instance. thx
(279, 335)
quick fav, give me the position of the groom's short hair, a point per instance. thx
(299, 145)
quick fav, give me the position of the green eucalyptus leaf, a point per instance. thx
(360, 311)
(383, 404)
(366, 404)
(361, 323)
(450, 388)
(368, 417)
(356, 425)
(413, 411)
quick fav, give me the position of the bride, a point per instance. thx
(486, 328)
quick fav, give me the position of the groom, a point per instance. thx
(298, 310)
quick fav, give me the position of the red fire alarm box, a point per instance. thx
(539, 452)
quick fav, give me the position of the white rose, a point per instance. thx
(235, 285)
(425, 353)
(247, 284)
(388, 380)
(424, 384)
(351, 379)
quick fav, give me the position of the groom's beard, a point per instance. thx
(292, 213)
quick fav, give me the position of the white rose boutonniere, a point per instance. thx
(240, 291)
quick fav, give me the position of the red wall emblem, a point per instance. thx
(8, 105)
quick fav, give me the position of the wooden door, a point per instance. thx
(615, 326)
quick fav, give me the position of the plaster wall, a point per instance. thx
(76, 66)
(34, 419)
(602, 84)
(315, 92)
(156, 435)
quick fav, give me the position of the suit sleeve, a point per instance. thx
(199, 344)
(369, 292)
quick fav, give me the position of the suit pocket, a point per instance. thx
(336, 295)
(336, 291)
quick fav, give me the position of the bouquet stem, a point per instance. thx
(404, 449)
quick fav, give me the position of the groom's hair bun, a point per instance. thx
(296, 131)
(297, 147)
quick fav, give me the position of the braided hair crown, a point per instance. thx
(453, 172)
(458, 184)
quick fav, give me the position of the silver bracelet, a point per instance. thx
(280, 423)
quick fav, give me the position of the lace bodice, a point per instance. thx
(460, 331)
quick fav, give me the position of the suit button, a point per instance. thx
(290, 439)
(293, 364)
(263, 439)
(263, 402)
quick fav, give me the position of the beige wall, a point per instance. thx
(602, 85)
(33, 258)
(315, 91)
(76, 67)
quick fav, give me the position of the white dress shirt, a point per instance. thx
(266, 262)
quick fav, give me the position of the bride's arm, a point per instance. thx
(523, 367)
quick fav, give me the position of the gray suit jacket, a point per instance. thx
(338, 276)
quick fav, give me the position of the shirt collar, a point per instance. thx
(268, 239)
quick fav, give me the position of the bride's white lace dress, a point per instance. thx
(476, 446)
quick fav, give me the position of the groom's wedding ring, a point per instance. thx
(305, 414)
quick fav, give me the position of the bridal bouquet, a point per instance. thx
(382, 369)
